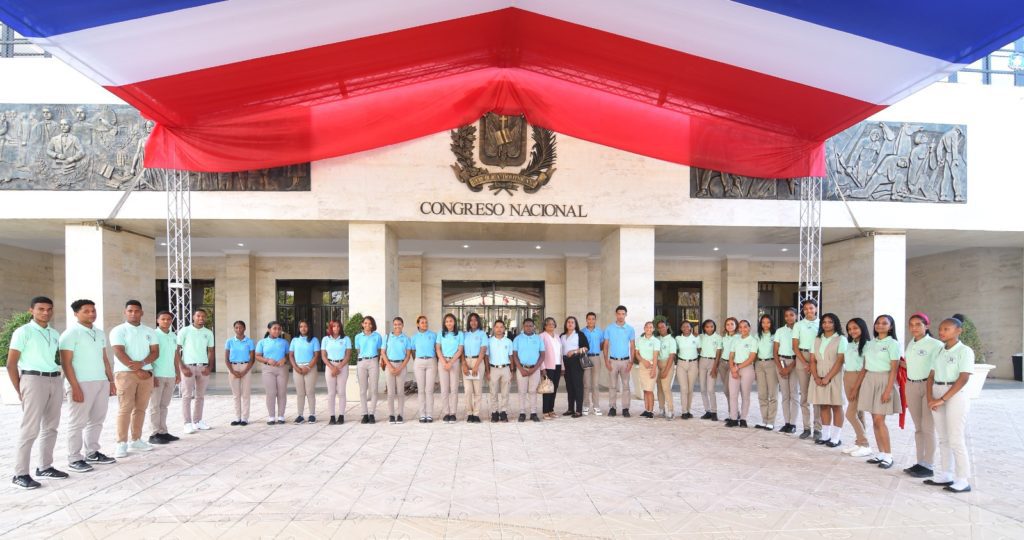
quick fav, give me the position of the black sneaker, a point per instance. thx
(706, 416)
(714, 417)
(503, 416)
(97, 457)
(788, 428)
(611, 412)
(430, 419)
(522, 417)
(50, 472)
(80, 466)
(625, 413)
(729, 422)
(399, 419)
(494, 417)
(453, 419)
(391, 419)
(923, 472)
(281, 422)
(686, 416)
(312, 419)
(341, 419)
(332, 421)
(156, 439)
(371, 420)
(534, 418)
(300, 420)
(235, 422)
(26, 482)
(170, 438)
(743, 423)
(365, 420)
(806, 433)
(423, 419)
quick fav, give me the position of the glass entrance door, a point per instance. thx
(509, 301)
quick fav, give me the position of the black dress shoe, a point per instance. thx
(234, 422)
(300, 420)
(706, 416)
(806, 433)
(365, 420)
(156, 439)
(391, 419)
(332, 421)
(873, 460)
(577, 415)
(930, 482)
(625, 413)
(244, 423)
(714, 417)
(341, 419)
(534, 417)
(729, 422)
(522, 417)
(831, 444)
(611, 412)
(954, 490)
(568, 413)
(371, 419)
(887, 464)
(399, 419)
(743, 423)
(423, 419)
(821, 441)
(51, 472)
(921, 472)
(311, 420)
(494, 417)
(503, 416)
(687, 416)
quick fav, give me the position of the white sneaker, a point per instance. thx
(140, 445)
(586, 411)
(850, 449)
(862, 451)
(189, 429)
(121, 450)
(202, 425)
(671, 416)
(597, 412)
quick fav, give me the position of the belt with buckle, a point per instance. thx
(707, 357)
(246, 362)
(499, 365)
(937, 383)
(764, 359)
(369, 357)
(425, 358)
(787, 356)
(686, 359)
(197, 364)
(805, 350)
(917, 380)
(336, 361)
(40, 373)
(620, 358)
(594, 354)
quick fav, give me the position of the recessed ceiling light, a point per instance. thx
(538, 247)
(715, 248)
(241, 244)
(785, 249)
(163, 243)
(465, 246)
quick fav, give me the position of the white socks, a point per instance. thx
(836, 430)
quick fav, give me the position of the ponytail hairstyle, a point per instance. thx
(863, 340)
(924, 320)
(760, 328)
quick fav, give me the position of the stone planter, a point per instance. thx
(977, 380)
(7, 393)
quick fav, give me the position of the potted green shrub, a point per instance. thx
(969, 336)
(15, 321)
(353, 327)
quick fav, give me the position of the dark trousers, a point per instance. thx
(549, 399)
(574, 383)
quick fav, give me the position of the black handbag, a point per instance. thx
(585, 361)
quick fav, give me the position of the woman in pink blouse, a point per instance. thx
(551, 357)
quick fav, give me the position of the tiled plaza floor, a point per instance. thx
(591, 477)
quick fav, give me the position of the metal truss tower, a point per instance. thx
(811, 189)
(179, 247)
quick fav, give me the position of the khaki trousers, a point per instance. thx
(275, 382)
(767, 389)
(951, 425)
(132, 400)
(40, 406)
(853, 416)
(527, 388)
(618, 378)
(337, 398)
(396, 390)
(723, 376)
(591, 384)
(664, 387)
(804, 379)
(790, 387)
(498, 385)
(924, 425)
(305, 390)
(194, 389)
(450, 387)
(474, 388)
(739, 393)
(163, 391)
(85, 419)
(707, 384)
(686, 375)
(426, 372)
(241, 390)
(368, 373)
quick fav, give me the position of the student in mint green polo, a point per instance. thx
(135, 348)
(239, 357)
(526, 349)
(619, 348)
(397, 354)
(785, 363)
(90, 383)
(920, 354)
(710, 346)
(166, 374)
(197, 348)
(951, 370)
(35, 374)
(805, 331)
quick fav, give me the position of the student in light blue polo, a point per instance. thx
(526, 349)
(474, 349)
(239, 357)
(591, 375)
(449, 357)
(272, 352)
(619, 347)
(303, 351)
(499, 374)
(335, 350)
(424, 344)
(368, 345)
(397, 354)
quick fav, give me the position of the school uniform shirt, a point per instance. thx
(687, 346)
(304, 349)
(499, 351)
(86, 346)
(528, 348)
(826, 341)
(194, 342)
(668, 347)
(920, 356)
(618, 338)
(645, 347)
(239, 349)
(595, 339)
(450, 343)
(423, 343)
(765, 346)
(396, 347)
(878, 353)
(950, 363)
(728, 344)
(784, 337)
(136, 341)
(742, 347)
(335, 347)
(167, 343)
(368, 345)
(38, 347)
(806, 331)
(472, 342)
(273, 349)
(852, 359)
(710, 345)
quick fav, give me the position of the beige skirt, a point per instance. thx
(871, 390)
(831, 393)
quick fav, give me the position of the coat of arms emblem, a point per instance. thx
(503, 145)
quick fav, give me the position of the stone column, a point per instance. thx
(239, 289)
(109, 268)
(866, 277)
(373, 272)
(577, 284)
(627, 278)
(739, 291)
(410, 285)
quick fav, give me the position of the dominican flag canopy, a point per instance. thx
(752, 87)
